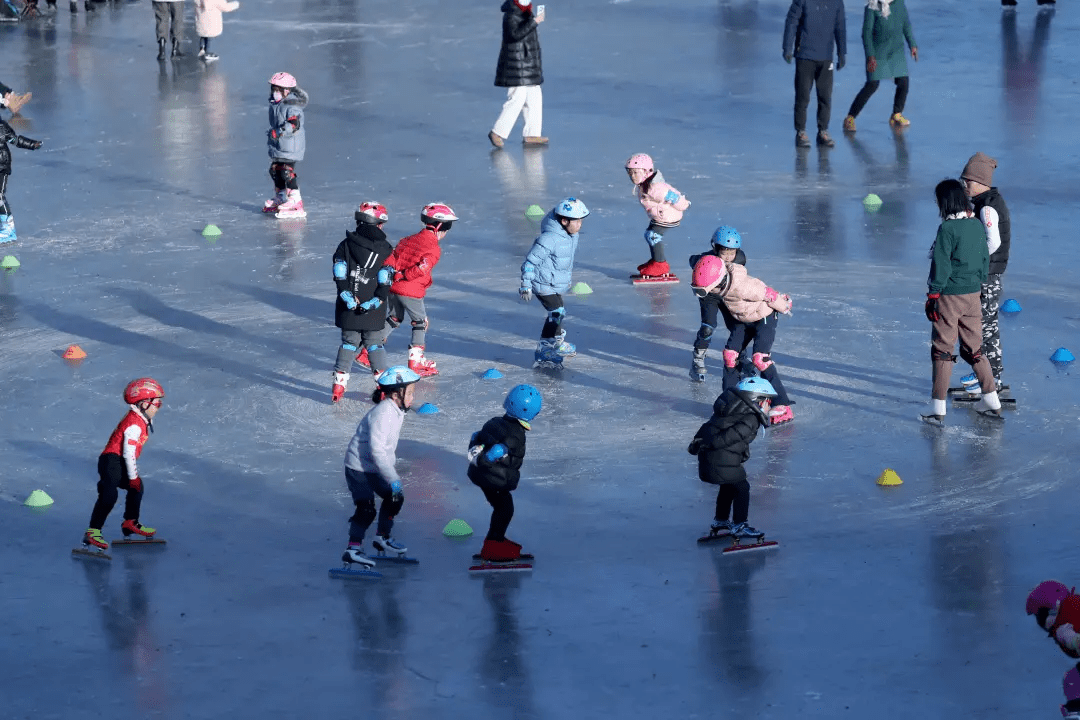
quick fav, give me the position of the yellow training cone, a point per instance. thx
(889, 478)
(38, 498)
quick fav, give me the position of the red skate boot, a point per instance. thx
(93, 538)
(499, 551)
(341, 381)
(362, 359)
(132, 527)
(420, 364)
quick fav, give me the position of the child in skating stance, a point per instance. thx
(363, 285)
(547, 271)
(726, 245)
(117, 466)
(756, 307)
(8, 135)
(412, 261)
(1057, 611)
(722, 445)
(664, 205)
(286, 142)
(495, 456)
(369, 465)
(12, 100)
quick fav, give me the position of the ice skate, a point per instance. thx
(132, 527)
(989, 406)
(936, 416)
(207, 56)
(802, 140)
(718, 530)
(271, 205)
(177, 51)
(654, 272)
(500, 555)
(747, 538)
(388, 545)
(546, 356)
(562, 347)
(293, 207)
(971, 384)
(357, 564)
(7, 229)
(420, 364)
(93, 545)
(362, 359)
(341, 381)
(354, 555)
(697, 365)
(780, 414)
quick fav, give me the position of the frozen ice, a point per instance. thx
(899, 603)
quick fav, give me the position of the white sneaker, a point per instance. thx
(355, 554)
(385, 544)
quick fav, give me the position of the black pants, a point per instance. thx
(283, 174)
(871, 86)
(364, 486)
(5, 209)
(169, 20)
(733, 495)
(553, 324)
(657, 251)
(807, 74)
(502, 512)
(762, 334)
(113, 473)
(712, 308)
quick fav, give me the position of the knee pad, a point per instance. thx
(374, 348)
(393, 321)
(349, 346)
(705, 332)
(762, 361)
(394, 504)
(731, 358)
(940, 355)
(421, 324)
(556, 316)
(970, 356)
(365, 512)
(286, 173)
(653, 238)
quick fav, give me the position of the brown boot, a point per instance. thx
(534, 140)
(495, 138)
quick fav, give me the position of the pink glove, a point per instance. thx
(771, 295)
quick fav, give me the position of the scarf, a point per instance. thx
(882, 5)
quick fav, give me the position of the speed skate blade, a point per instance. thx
(523, 556)
(140, 541)
(962, 389)
(654, 279)
(547, 365)
(347, 573)
(501, 567)
(704, 539)
(290, 214)
(1005, 402)
(752, 546)
(395, 559)
(97, 554)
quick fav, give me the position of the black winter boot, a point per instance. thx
(176, 51)
(161, 49)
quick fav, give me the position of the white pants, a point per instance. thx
(527, 100)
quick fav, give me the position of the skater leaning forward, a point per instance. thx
(495, 456)
(369, 465)
(958, 266)
(363, 285)
(117, 464)
(726, 245)
(663, 204)
(286, 143)
(722, 445)
(547, 271)
(1056, 608)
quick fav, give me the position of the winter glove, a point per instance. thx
(871, 64)
(782, 304)
(931, 308)
(135, 484)
(371, 304)
(495, 452)
(841, 61)
(787, 58)
(474, 452)
(525, 293)
(348, 299)
(671, 197)
(273, 133)
(395, 487)
(694, 446)
(25, 143)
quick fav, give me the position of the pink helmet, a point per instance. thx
(438, 215)
(641, 160)
(1046, 595)
(708, 274)
(283, 79)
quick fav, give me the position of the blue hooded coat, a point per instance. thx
(550, 262)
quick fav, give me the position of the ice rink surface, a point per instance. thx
(888, 603)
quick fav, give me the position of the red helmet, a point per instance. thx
(142, 389)
(283, 79)
(371, 213)
(437, 214)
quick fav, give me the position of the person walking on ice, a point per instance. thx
(547, 272)
(369, 465)
(885, 28)
(520, 71)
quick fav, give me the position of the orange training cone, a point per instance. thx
(74, 352)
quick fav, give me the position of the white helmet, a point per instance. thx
(571, 209)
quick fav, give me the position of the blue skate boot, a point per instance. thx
(562, 347)
(743, 531)
(7, 229)
(547, 354)
(971, 384)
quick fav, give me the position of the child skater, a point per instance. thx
(7, 135)
(1057, 611)
(117, 464)
(547, 271)
(495, 456)
(286, 142)
(363, 285)
(726, 245)
(369, 465)
(208, 23)
(722, 445)
(413, 260)
(756, 306)
(663, 204)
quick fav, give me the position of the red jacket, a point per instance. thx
(413, 259)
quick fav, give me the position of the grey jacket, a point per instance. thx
(812, 27)
(285, 138)
(373, 448)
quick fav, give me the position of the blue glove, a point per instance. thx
(350, 301)
(495, 452)
(341, 270)
(395, 487)
(370, 304)
(386, 275)
(671, 197)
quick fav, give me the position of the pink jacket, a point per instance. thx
(661, 212)
(208, 16)
(749, 299)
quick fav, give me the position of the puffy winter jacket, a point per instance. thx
(651, 194)
(504, 473)
(519, 56)
(285, 140)
(725, 438)
(960, 259)
(208, 16)
(811, 28)
(8, 135)
(999, 259)
(744, 296)
(550, 263)
(363, 253)
(414, 258)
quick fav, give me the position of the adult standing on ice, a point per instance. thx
(885, 28)
(812, 28)
(520, 71)
(958, 267)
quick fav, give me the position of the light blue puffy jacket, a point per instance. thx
(550, 262)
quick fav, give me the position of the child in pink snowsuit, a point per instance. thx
(1056, 608)
(665, 206)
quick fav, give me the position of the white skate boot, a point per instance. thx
(354, 554)
(419, 364)
(697, 365)
(388, 545)
(293, 207)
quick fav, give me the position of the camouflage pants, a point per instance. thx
(990, 299)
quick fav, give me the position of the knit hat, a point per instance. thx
(980, 168)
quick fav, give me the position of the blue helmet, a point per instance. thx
(727, 236)
(571, 208)
(396, 377)
(523, 402)
(756, 387)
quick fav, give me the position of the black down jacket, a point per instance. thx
(519, 57)
(722, 444)
(504, 473)
(363, 253)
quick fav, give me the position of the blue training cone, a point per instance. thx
(1010, 306)
(427, 409)
(1062, 356)
(491, 374)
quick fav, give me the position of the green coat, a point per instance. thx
(960, 259)
(883, 39)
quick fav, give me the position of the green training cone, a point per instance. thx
(581, 289)
(534, 212)
(211, 230)
(872, 203)
(457, 528)
(9, 262)
(38, 498)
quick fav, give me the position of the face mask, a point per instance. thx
(277, 96)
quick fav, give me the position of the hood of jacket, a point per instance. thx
(551, 224)
(366, 237)
(296, 96)
(734, 401)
